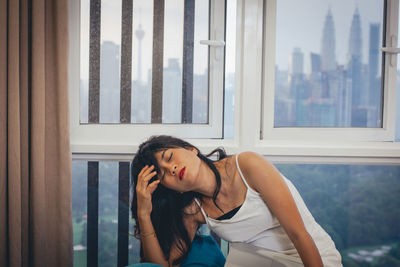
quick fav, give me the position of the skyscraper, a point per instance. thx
(373, 60)
(354, 71)
(139, 33)
(355, 40)
(296, 62)
(109, 82)
(374, 86)
(141, 92)
(298, 89)
(328, 47)
(172, 92)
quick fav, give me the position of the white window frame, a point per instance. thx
(249, 81)
(386, 133)
(110, 138)
(293, 146)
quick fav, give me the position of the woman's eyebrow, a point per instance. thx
(162, 155)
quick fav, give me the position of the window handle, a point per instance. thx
(212, 42)
(217, 44)
(390, 50)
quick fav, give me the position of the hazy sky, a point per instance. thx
(143, 14)
(299, 24)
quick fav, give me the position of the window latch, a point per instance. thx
(216, 44)
(390, 50)
(212, 42)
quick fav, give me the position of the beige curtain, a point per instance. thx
(35, 158)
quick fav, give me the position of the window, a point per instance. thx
(146, 68)
(325, 76)
(356, 205)
(100, 211)
(251, 89)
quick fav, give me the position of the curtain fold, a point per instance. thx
(35, 158)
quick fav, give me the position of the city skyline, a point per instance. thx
(333, 94)
(308, 61)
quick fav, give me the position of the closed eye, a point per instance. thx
(170, 157)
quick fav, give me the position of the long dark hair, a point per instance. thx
(168, 205)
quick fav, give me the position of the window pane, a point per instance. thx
(180, 103)
(142, 55)
(108, 183)
(84, 62)
(200, 70)
(356, 205)
(79, 211)
(328, 64)
(172, 76)
(397, 130)
(108, 213)
(108, 172)
(110, 54)
(230, 64)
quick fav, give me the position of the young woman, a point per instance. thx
(242, 198)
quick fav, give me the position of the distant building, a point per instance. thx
(328, 46)
(141, 92)
(354, 70)
(374, 84)
(172, 92)
(109, 82)
(296, 62)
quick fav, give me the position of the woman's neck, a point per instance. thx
(207, 181)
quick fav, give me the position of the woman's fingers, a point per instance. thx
(153, 186)
(144, 177)
(146, 174)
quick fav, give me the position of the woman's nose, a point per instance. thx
(173, 171)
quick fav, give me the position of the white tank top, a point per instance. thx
(254, 224)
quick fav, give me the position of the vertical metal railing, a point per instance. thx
(126, 61)
(94, 61)
(158, 58)
(123, 213)
(187, 66)
(93, 214)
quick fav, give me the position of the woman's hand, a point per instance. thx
(144, 190)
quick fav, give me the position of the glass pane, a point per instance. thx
(142, 55)
(108, 214)
(79, 211)
(357, 205)
(328, 63)
(397, 130)
(84, 62)
(110, 62)
(172, 75)
(200, 68)
(134, 243)
(142, 60)
(230, 64)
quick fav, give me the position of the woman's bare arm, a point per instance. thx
(263, 177)
(151, 246)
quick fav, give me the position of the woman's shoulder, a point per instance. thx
(249, 158)
(255, 168)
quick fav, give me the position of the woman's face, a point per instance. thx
(179, 168)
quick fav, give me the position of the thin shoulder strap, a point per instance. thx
(240, 171)
(202, 211)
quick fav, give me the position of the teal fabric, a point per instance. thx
(146, 264)
(204, 252)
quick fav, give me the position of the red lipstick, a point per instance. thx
(181, 173)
